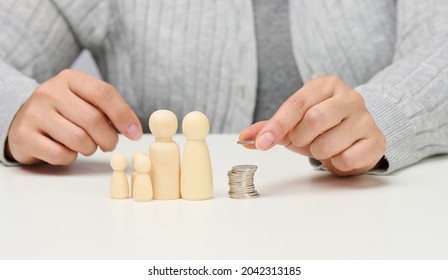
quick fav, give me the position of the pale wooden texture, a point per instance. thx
(119, 186)
(142, 185)
(196, 176)
(165, 172)
(165, 155)
(134, 173)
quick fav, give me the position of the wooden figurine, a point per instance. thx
(134, 173)
(196, 176)
(165, 155)
(119, 186)
(142, 184)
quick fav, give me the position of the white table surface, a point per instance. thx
(49, 212)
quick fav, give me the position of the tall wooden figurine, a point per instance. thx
(142, 184)
(119, 186)
(165, 155)
(196, 176)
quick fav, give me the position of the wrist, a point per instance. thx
(7, 152)
(381, 166)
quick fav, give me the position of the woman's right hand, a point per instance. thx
(69, 114)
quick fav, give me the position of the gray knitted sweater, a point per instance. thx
(201, 55)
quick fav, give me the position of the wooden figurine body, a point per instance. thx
(119, 186)
(142, 184)
(165, 155)
(197, 175)
(134, 173)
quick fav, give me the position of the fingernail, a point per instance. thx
(265, 141)
(133, 132)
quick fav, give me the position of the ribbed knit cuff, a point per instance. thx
(396, 127)
(13, 93)
(400, 135)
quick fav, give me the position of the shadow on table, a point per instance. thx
(322, 182)
(331, 181)
(77, 168)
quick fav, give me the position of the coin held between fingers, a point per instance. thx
(246, 142)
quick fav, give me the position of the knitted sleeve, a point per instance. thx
(35, 43)
(409, 98)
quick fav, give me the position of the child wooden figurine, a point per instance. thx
(134, 173)
(119, 187)
(142, 184)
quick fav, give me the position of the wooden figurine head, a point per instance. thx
(195, 126)
(118, 162)
(134, 156)
(142, 164)
(163, 124)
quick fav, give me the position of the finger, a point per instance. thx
(71, 136)
(320, 118)
(337, 139)
(305, 150)
(104, 96)
(92, 120)
(292, 111)
(47, 150)
(251, 132)
(22, 155)
(358, 158)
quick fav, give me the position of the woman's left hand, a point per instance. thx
(326, 120)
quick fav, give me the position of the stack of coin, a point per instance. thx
(241, 181)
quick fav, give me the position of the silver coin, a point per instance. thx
(246, 142)
(241, 182)
(243, 196)
(243, 193)
(244, 167)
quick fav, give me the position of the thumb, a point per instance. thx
(277, 129)
(251, 132)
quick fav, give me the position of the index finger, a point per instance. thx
(292, 111)
(108, 100)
